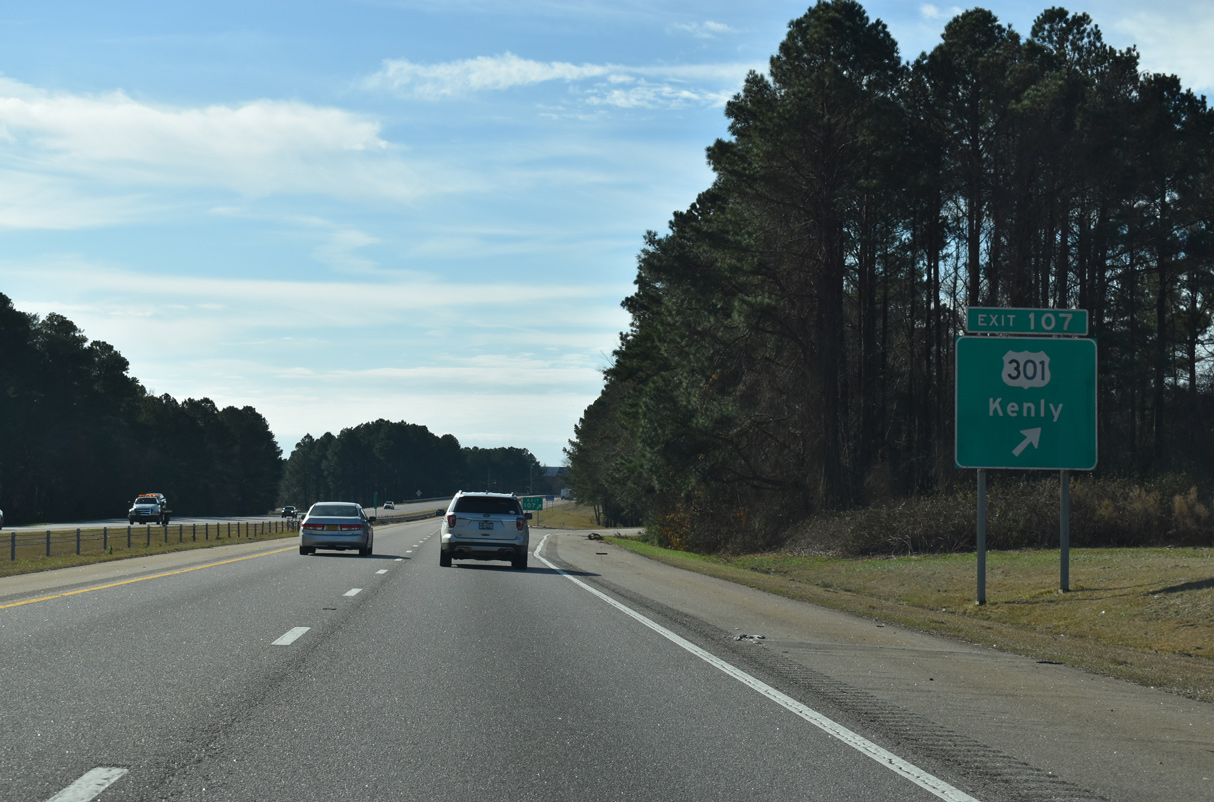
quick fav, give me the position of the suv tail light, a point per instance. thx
(519, 523)
(451, 519)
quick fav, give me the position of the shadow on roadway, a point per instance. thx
(353, 555)
(534, 569)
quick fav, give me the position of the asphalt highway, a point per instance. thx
(250, 672)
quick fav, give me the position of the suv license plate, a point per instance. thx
(486, 524)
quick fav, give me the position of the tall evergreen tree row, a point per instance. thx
(398, 461)
(792, 337)
(80, 438)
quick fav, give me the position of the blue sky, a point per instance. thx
(421, 211)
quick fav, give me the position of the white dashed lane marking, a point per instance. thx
(291, 636)
(382, 571)
(90, 784)
(353, 591)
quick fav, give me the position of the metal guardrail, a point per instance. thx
(33, 545)
(405, 517)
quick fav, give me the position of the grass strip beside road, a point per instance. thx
(564, 515)
(1144, 615)
(98, 545)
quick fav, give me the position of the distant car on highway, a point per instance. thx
(389, 505)
(336, 525)
(485, 526)
(289, 512)
(149, 507)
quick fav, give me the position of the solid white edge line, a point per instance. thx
(90, 784)
(918, 776)
(291, 636)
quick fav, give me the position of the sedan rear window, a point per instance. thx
(487, 504)
(334, 511)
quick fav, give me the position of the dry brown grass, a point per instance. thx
(1146, 615)
(569, 515)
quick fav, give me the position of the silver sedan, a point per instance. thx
(338, 525)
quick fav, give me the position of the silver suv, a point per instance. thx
(485, 526)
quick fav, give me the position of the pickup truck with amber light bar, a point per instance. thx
(149, 508)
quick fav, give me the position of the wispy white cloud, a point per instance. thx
(932, 12)
(484, 73)
(1171, 40)
(704, 30)
(293, 349)
(255, 148)
(197, 317)
(40, 201)
(598, 84)
(647, 95)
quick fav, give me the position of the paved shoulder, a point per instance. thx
(1039, 725)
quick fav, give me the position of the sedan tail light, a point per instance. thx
(313, 526)
(451, 519)
(351, 527)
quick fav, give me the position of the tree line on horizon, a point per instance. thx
(80, 438)
(792, 334)
(397, 461)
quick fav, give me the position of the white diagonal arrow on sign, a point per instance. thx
(1030, 436)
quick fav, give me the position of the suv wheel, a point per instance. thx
(520, 562)
(444, 560)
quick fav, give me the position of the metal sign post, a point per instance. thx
(1027, 403)
(982, 535)
(1064, 531)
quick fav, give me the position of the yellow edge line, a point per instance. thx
(140, 579)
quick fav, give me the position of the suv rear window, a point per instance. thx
(487, 504)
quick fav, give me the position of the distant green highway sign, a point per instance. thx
(1026, 402)
(532, 502)
(996, 320)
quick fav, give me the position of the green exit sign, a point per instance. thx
(998, 320)
(532, 502)
(1026, 402)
